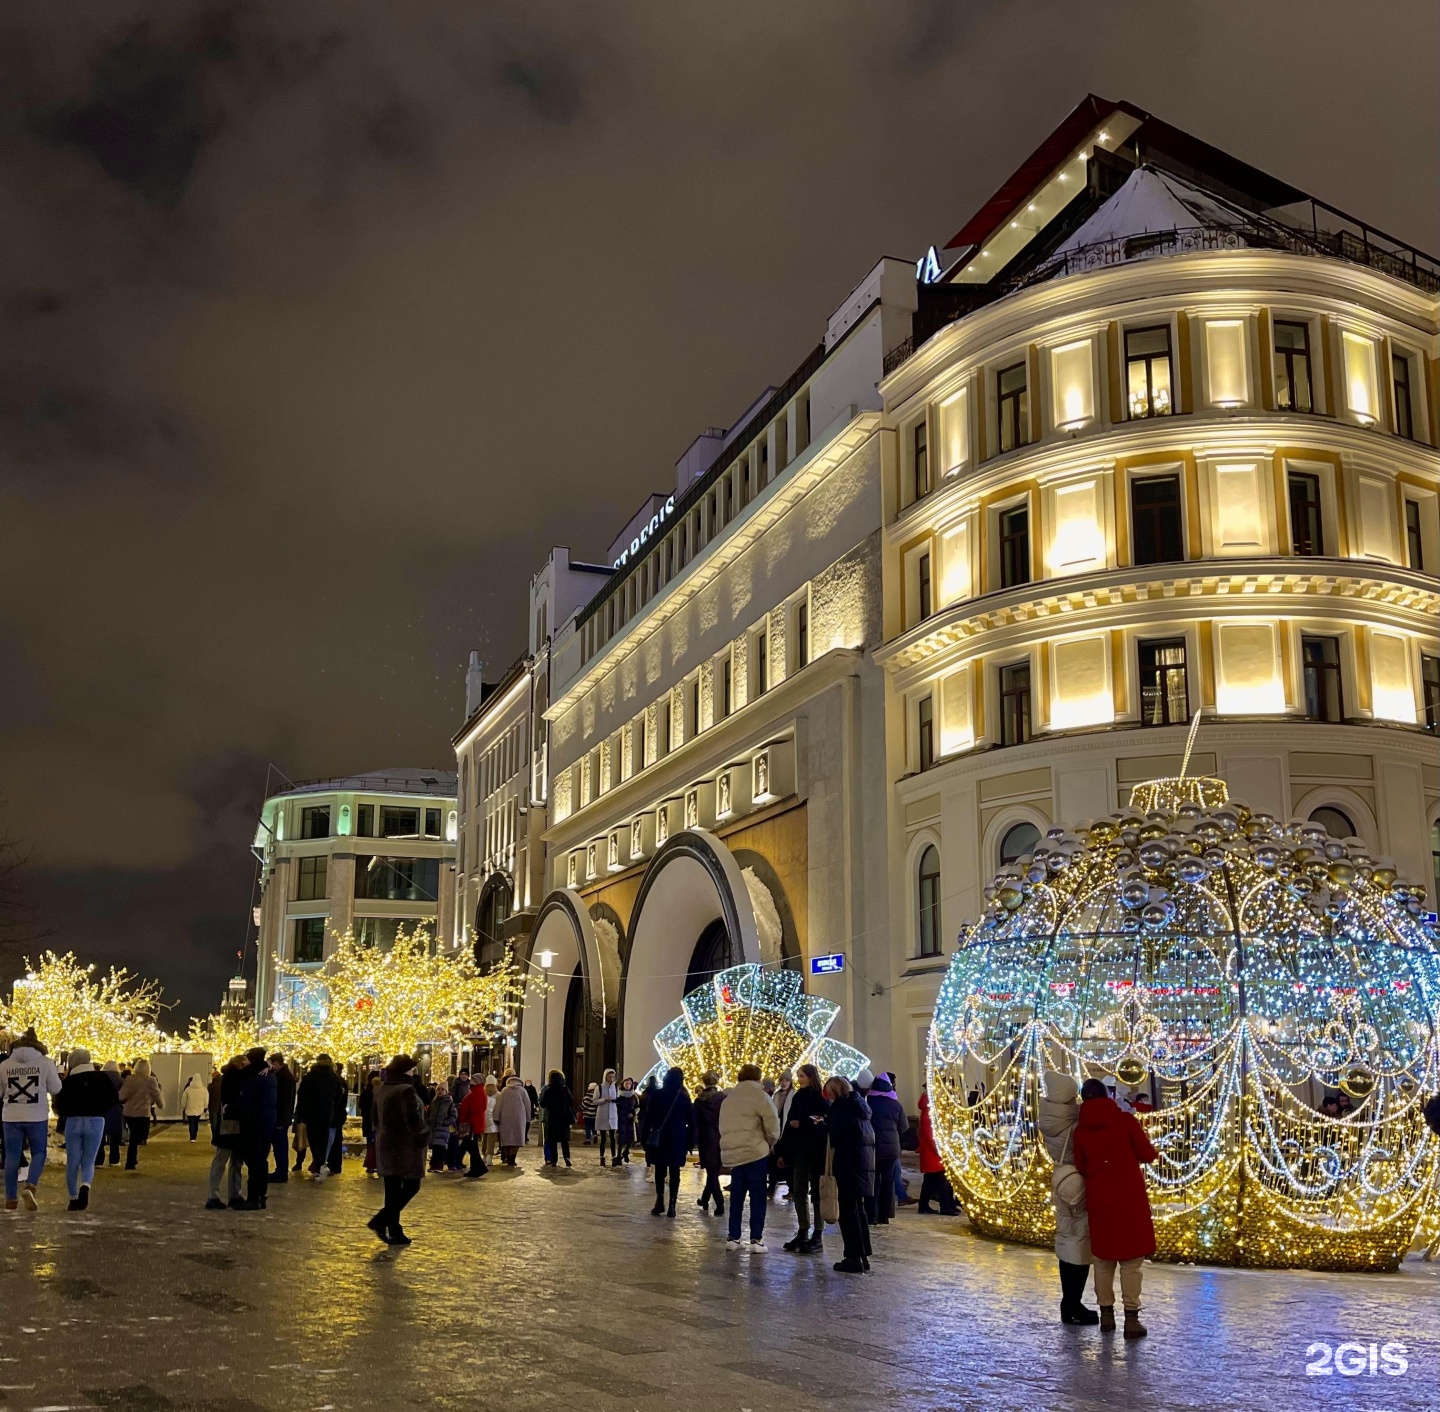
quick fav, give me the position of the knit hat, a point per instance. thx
(882, 1085)
(79, 1056)
(864, 1079)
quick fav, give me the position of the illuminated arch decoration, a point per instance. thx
(1239, 970)
(752, 1015)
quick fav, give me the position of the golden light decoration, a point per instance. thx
(368, 1003)
(752, 1015)
(1242, 970)
(223, 1036)
(70, 1005)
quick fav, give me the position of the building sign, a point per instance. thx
(830, 965)
(648, 531)
(927, 268)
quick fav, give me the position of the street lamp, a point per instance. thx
(546, 960)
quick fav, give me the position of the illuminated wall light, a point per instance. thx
(1360, 379)
(1079, 543)
(1072, 384)
(1392, 694)
(955, 432)
(1239, 509)
(1229, 384)
(957, 729)
(1247, 670)
(1080, 693)
(955, 564)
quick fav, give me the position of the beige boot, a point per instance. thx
(27, 1195)
(1133, 1327)
(1107, 1318)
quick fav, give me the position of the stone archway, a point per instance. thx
(692, 883)
(564, 929)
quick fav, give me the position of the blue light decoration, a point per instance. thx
(1239, 973)
(752, 1015)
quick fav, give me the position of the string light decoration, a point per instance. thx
(70, 1005)
(223, 1036)
(367, 1003)
(1238, 970)
(752, 1015)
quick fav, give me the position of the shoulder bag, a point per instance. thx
(829, 1189)
(1066, 1183)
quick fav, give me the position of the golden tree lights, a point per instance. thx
(70, 1006)
(223, 1036)
(369, 1003)
(752, 1015)
(1236, 969)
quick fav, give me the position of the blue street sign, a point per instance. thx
(830, 965)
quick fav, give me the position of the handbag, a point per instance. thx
(1066, 1183)
(829, 1189)
(299, 1143)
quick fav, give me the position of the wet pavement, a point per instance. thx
(527, 1290)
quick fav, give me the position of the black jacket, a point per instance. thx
(853, 1139)
(284, 1097)
(669, 1126)
(806, 1140)
(887, 1117)
(85, 1095)
(321, 1090)
(557, 1109)
(707, 1126)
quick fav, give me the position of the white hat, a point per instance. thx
(864, 1079)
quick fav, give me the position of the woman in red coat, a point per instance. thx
(934, 1184)
(1110, 1149)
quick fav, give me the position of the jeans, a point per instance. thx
(319, 1139)
(805, 1192)
(1131, 1272)
(902, 1191)
(82, 1143)
(139, 1130)
(280, 1150)
(399, 1192)
(16, 1135)
(225, 1156)
(749, 1178)
(554, 1144)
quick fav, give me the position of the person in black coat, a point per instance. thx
(852, 1140)
(256, 1111)
(707, 1140)
(284, 1116)
(557, 1109)
(114, 1118)
(338, 1120)
(316, 1100)
(887, 1117)
(801, 1152)
(626, 1104)
(669, 1135)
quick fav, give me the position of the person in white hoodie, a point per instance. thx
(1058, 1114)
(28, 1080)
(195, 1104)
(749, 1128)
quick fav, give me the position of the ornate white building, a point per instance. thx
(1164, 444)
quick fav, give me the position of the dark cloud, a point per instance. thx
(322, 323)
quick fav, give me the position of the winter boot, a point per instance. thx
(84, 1198)
(670, 1210)
(1133, 1327)
(1107, 1318)
(797, 1242)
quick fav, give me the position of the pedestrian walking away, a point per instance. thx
(707, 1141)
(888, 1120)
(225, 1089)
(801, 1150)
(669, 1136)
(401, 1138)
(85, 1097)
(557, 1117)
(934, 1184)
(1111, 1149)
(139, 1097)
(114, 1118)
(749, 1130)
(28, 1081)
(607, 1117)
(472, 1114)
(255, 1108)
(1058, 1115)
(852, 1164)
(284, 1117)
(512, 1117)
(194, 1104)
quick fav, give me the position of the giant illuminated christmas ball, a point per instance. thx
(1236, 971)
(752, 1015)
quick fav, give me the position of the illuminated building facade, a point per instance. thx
(1163, 442)
(371, 853)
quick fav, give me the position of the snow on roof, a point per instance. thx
(1150, 201)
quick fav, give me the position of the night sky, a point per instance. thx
(323, 322)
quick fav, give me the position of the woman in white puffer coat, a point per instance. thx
(1058, 1113)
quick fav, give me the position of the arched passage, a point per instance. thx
(563, 929)
(692, 884)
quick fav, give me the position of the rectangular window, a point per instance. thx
(399, 823)
(1320, 657)
(1414, 539)
(1430, 690)
(762, 663)
(925, 730)
(1014, 546)
(802, 634)
(926, 607)
(432, 823)
(378, 933)
(309, 939)
(1155, 519)
(1163, 698)
(380, 879)
(1292, 367)
(1307, 536)
(1015, 703)
(726, 683)
(365, 820)
(922, 459)
(315, 822)
(1013, 399)
(310, 879)
(1147, 372)
(1404, 412)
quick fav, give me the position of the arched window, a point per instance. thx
(927, 910)
(491, 914)
(1334, 821)
(1019, 840)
